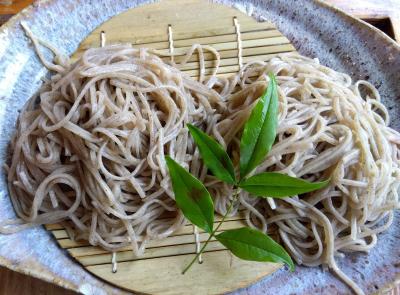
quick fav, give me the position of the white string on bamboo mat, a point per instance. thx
(239, 41)
(102, 39)
(171, 51)
(114, 262)
(197, 240)
(171, 42)
(114, 254)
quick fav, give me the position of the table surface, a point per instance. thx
(384, 14)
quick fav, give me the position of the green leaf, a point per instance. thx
(260, 129)
(272, 184)
(213, 155)
(251, 244)
(191, 196)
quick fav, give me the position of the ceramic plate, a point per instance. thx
(316, 30)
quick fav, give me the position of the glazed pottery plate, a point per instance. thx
(314, 28)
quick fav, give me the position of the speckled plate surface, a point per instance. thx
(316, 30)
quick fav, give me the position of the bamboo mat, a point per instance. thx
(173, 26)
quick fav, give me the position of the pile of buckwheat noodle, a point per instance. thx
(89, 150)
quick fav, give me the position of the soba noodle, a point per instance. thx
(327, 129)
(89, 151)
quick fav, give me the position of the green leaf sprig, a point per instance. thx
(197, 205)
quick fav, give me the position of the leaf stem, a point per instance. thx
(235, 195)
